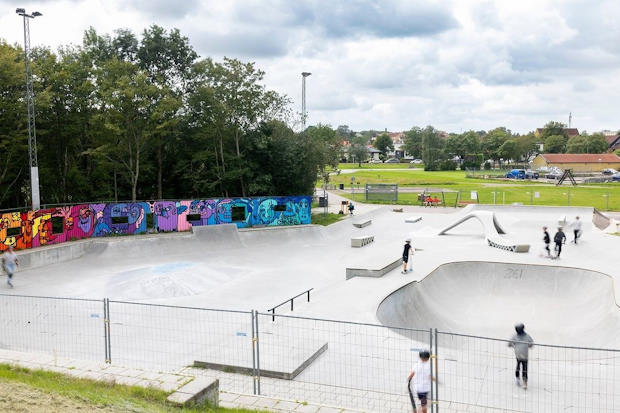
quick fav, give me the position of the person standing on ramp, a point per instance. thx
(522, 343)
(559, 238)
(407, 251)
(547, 241)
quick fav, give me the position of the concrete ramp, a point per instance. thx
(298, 234)
(224, 236)
(559, 305)
(490, 225)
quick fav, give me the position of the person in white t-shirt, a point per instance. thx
(576, 229)
(420, 381)
(9, 263)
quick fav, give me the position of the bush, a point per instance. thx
(434, 166)
(487, 166)
(447, 165)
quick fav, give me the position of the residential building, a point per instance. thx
(578, 162)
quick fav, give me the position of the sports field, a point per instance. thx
(603, 196)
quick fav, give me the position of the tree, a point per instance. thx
(358, 152)
(553, 128)
(384, 144)
(509, 150)
(555, 144)
(13, 133)
(413, 142)
(492, 141)
(344, 133)
(432, 148)
(528, 145)
(585, 143)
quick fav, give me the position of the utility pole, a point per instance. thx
(570, 118)
(304, 75)
(32, 130)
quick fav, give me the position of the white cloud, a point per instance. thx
(456, 64)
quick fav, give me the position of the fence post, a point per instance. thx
(257, 343)
(106, 330)
(430, 349)
(436, 374)
(253, 352)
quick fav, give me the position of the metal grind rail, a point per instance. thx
(291, 300)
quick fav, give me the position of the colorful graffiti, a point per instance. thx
(57, 225)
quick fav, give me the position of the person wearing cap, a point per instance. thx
(522, 343)
(408, 250)
(420, 381)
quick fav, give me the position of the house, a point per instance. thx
(578, 162)
(373, 153)
(613, 142)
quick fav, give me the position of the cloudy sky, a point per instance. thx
(454, 64)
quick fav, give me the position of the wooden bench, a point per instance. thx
(359, 242)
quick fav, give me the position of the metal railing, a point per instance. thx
(291, 300)
(351, 365)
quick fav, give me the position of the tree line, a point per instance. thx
(474, 148)
(120, 117)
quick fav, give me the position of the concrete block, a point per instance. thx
(362, 241)
(376, 273)
(413, 219)
(362, 224)
(197, 392)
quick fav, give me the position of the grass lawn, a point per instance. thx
(72, 394)
(601, 196)
(326, 219)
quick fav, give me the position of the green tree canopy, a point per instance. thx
(384, 144)
(555, 144)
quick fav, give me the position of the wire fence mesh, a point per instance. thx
(336, 363)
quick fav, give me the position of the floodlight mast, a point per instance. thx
(304, 115)
(32, 130)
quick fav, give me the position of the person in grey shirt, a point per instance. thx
(522, 342)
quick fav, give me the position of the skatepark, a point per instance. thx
(476, 271)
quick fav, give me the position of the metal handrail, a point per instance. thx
(291, 300)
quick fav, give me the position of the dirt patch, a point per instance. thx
(18, 397)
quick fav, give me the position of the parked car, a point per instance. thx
(417, 161)
(516, 174)
(375, 161)
(529, 174)
(609, 171)
(616, 177)
(392, 160)
(554, 174)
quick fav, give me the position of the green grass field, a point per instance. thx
(326, 219)
(601, 196)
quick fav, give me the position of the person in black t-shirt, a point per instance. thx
(559, 238)
(407, 250)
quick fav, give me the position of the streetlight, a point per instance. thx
(32, 131)
(304, 75)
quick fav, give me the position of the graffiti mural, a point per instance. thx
(31, 229)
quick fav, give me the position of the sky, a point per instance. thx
(454, 64)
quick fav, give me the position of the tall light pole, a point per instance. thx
(32, 130)
(304, 75)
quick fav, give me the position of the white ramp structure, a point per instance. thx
(492, 231)
(487, 218)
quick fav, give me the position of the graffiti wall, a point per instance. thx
(56, 225)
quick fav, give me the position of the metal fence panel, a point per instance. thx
(172, 338)
(343, 364)
(64, 327)
(481, 371)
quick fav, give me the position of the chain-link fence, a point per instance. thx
(345, 364)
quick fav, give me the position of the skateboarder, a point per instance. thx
(559, 238)
(351, 208)
(547, 241)
(420, 381)
(407, 250)
(576, 229)
(522, 343)
(9, 263)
